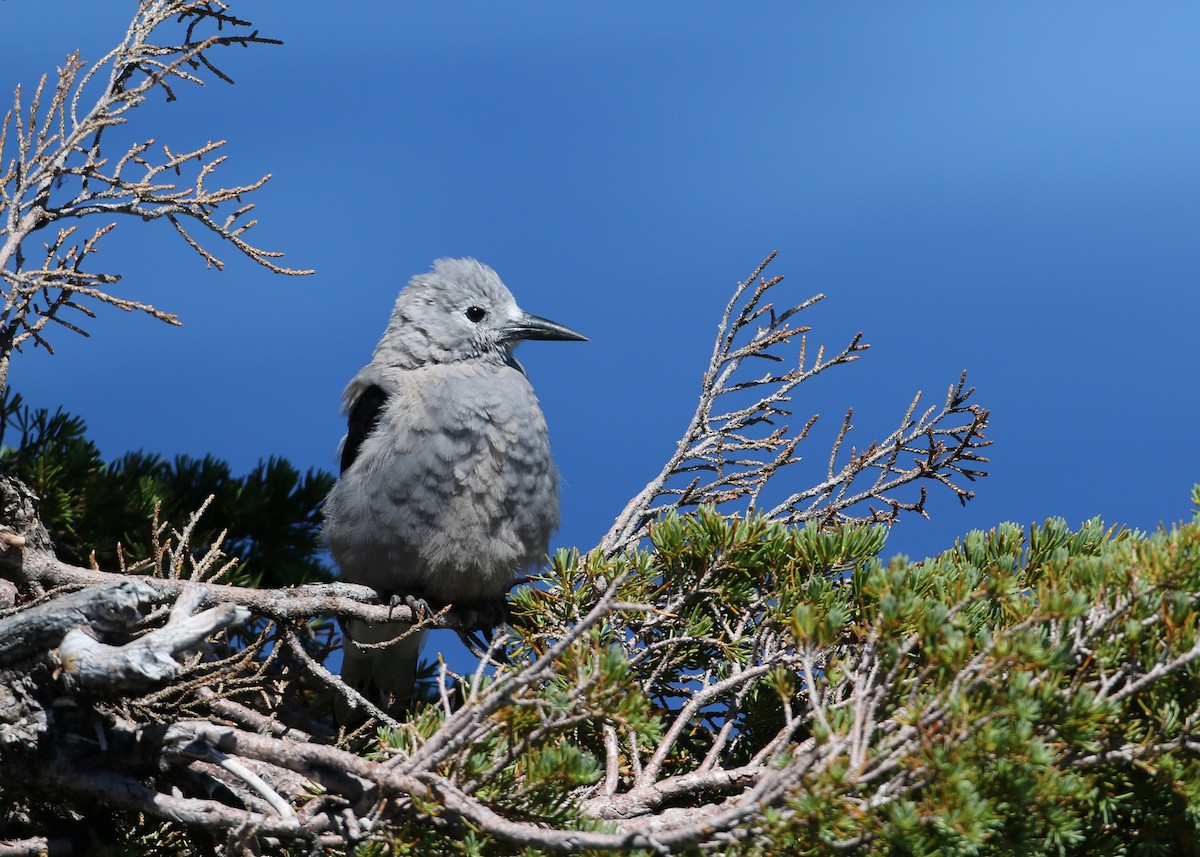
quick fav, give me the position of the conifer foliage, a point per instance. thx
(736, 668)
(97, 512)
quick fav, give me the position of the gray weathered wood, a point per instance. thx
(106, 608)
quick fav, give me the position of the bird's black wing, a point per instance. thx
(364, 416)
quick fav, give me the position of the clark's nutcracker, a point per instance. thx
(448, 491)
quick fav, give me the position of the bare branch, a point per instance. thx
(149, 659)
(60, 169)
(727, 458)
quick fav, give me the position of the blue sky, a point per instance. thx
(1013, 189)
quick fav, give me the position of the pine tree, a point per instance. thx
(99, 513)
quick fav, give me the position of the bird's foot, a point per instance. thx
(419, 606)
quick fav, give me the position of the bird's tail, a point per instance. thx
(384, 674)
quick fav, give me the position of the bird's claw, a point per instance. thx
(419, 606)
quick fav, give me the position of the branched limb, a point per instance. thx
(734, 446)
(938, 452)
(151, 658)
(41, 570)
(55, 166)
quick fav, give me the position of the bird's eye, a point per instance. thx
(476, 314)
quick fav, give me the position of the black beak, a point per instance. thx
(528, 326)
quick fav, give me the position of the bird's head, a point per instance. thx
(461, 310)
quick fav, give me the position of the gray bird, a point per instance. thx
(448, 491)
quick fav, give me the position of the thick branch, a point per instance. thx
(42, 570)
(114, 606)
(149, 659)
